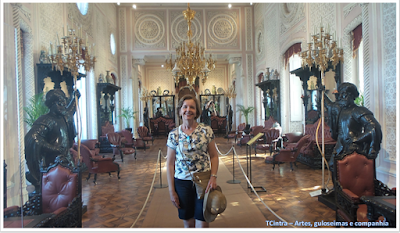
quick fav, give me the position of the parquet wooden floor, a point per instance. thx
(116, 204)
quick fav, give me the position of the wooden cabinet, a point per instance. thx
(218, 99)
(165, 104)
(45, 71)
(105, 104)
(311, 97)
(162, 113)
(271, 100)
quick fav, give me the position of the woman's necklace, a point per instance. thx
(189, 129)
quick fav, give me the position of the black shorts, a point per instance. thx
(191, 207)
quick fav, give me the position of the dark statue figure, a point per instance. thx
(206, 114)
(353, 127)
(146, 116)
(51, 135)
(229, 115)
(159, 112)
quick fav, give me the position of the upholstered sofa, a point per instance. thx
(161, 125)
(309, 154)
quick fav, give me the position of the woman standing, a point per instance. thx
(191, 148)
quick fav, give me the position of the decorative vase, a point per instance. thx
(101, 80)
(108, 77)
(267, 73)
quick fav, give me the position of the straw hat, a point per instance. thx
(214, 204)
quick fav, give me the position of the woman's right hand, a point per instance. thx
(175, 199)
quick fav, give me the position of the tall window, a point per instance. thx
(360, 64)
(357, 44)
(83, 7)
(112, 44)
(81, 85)
(296, 105)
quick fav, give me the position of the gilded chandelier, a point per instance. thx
(191, 61)
(72, 54)
(322, 49)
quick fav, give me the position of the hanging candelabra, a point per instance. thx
(322, 48)
(72, 53)
(191, 61)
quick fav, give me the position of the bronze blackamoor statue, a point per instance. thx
(353, 127)
(51, 135)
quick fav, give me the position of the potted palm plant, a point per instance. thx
(127, 114)
(35, 109)
(245, 112)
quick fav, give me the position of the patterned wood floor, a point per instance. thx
(116, 204)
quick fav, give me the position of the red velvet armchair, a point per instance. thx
(310, 155)
(116, 143)
(60, 198)
(268, 142)
(236, 133)
(92, 145)
(269, 123)
(287, 155)
(242, 139)
(144, 134)
(129, 141)
(290, 139)
(96, 164)
(256, 130)
(355, 177)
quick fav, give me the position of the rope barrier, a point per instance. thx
(247, 179)
(151, 188)
(220, 151)
(252, 188)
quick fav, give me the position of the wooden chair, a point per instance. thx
(60, 197)
(268, 141)
(255, 130)
(144, 134)
(214, 125)
(162, 128)
(96, 164)
(242, 139)
(236, 133)
(93, 145)
(116, 143)
(355, 176)
(104, 144)
(129, 141)
(287, 155)
(269, 123)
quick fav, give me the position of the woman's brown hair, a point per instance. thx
(190, 97)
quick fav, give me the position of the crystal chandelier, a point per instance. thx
(322, 50)
(191, 61)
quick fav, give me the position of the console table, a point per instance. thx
(381, 206)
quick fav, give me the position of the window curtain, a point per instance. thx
(357, 37)
(294, 49)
